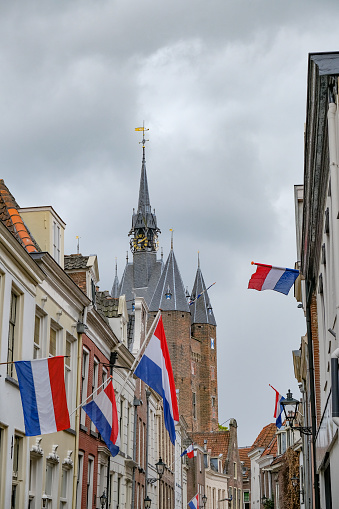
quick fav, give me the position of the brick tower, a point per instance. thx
(204, 355)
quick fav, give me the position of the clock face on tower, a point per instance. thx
(140, 242)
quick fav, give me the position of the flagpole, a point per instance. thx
(138, 355)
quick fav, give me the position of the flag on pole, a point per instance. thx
(43, 395)
(155, 369)
(278, 409)
(102, 411)
(189, 451)
(268, 277)
(194, 502)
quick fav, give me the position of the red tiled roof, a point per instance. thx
(11, 218)
(272, 448)
(243, 454)
(265, 436)
(217, 442)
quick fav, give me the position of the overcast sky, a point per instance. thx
(222, 87)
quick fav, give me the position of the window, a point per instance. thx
(234, 470)
(194, 400)
(128, 431)
(193, 367)
(64, 488)
(52, 342)
(68, 369)
(118, 491)
(121, 420)
(246, 496)
(49, 479)
(16, 471)
(281, 443)
(84, 382)
(94, 384)
(90, 470)
(12, 334)
(212, 343)
(79, 480)
(37, 345)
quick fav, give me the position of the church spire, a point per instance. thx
(144, 205)
(144, 229)
(115, 287)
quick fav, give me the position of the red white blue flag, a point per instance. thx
(194, 502)
(279, 408)
(43, 395)
(102, 411)
(268, 277)
(189, 451)
(155, 370)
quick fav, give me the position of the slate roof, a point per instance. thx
(170, 281)
(106, 305)
(75, 262)
(199, 309)
(265, 436)
(144, 217)
(11, 218)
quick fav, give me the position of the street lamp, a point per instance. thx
(160, 466)
(295, 482)
(290, 406)
(204, 499)
(103, 500)
(147, 503)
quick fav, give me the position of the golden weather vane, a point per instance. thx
(143, 129)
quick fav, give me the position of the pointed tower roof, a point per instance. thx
(115, 287)
(144, 202)
(143, 217)
(201, 309)
(169, 293)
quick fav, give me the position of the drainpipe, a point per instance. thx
(137, 402)
(335, 386)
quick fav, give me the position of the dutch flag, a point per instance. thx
(268, 277)
(279, 408)
(155, 370)
(194, 502)
(102, 411)
(189, 451)
(43, 395)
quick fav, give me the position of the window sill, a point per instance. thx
(83, 428)
(70, 431)
(12, 381)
